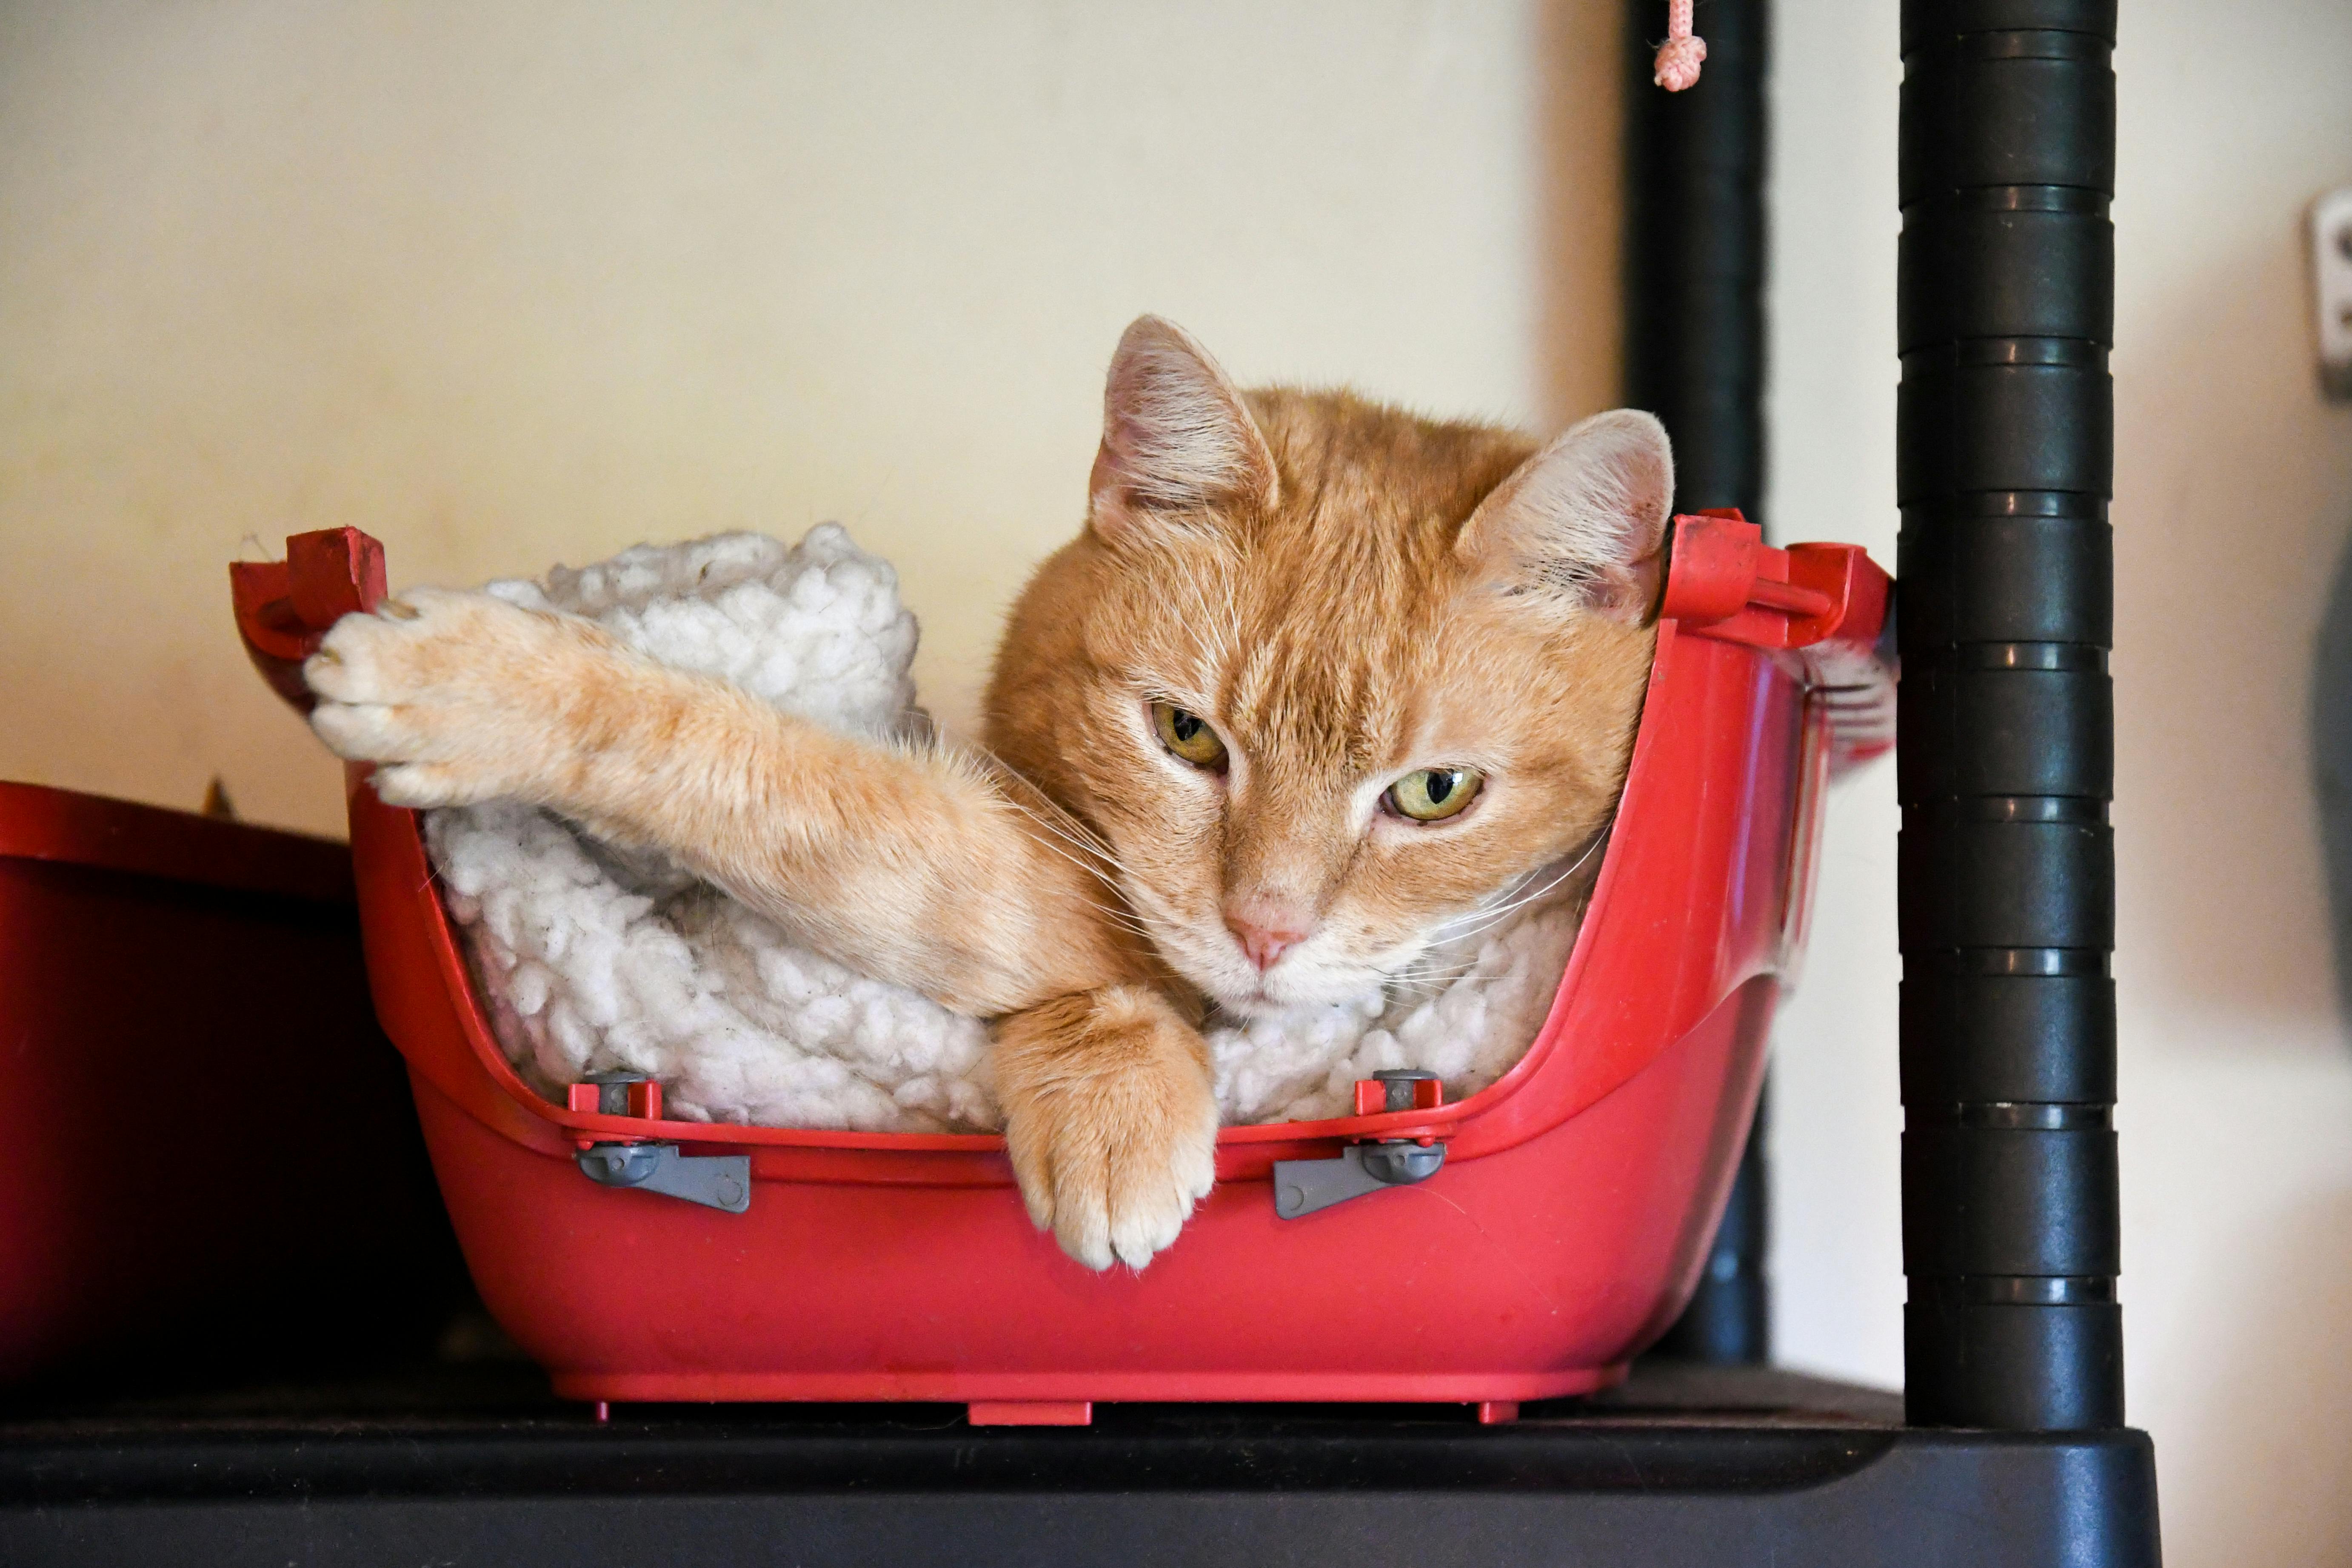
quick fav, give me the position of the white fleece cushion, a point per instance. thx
(589, 959)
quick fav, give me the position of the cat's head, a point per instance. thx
(1332, 682)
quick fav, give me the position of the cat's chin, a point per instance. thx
(1273, 1000)
(1255, 1005)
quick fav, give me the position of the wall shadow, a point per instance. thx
(2331, 759)
(1580, 209)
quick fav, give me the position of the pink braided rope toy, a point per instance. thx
(1679, 56)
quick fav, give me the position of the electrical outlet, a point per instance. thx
(2331, 289)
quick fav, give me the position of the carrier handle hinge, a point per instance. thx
(1303, 1186)
(714, 1181)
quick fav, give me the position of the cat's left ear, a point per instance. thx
(1583, 522)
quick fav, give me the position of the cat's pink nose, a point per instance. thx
(1265, 938)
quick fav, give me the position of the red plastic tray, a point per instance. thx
(210, 1151)
(1563, 1233)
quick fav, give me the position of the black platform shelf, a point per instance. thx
(1683, 1466)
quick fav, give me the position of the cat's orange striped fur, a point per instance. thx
(1230, 737)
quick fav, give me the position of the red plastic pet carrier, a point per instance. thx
(1561, 1230)
(208, 1155)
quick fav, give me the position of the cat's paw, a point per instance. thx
(455, 696)
(1110, 1119)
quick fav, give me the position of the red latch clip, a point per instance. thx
(1398, 1091)
(614, 1094)
(284, 608)
(1725, 582)
(1827, 603)
(641, 1098)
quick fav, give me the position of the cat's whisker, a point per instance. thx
(1497, 920)
(1530, 894)
(1218, 629)
(1427, 965)
(1419, 987)
(1124, 916)
(1492, 915)
(1060, 822)
(1112, 916)
(1227, 631)
(1438, 980)
(1446, 983)
(1092, 855)
(1076, 853)
(1077, 834)
(1085, 860)
(1154, 910)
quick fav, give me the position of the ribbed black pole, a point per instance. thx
(2007, 869)
(1695, 254)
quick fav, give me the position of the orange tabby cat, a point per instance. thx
(1318, 680)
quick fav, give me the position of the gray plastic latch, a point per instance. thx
(1303, 1186)
(715, 1181)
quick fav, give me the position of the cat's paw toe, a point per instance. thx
(361, 659)
(1082, 1229)
(1146, 1225)
(1127, 1205)
(1196, 1165)
(359, 732)
(1106, 1206)
(403, 646)
(423, 786)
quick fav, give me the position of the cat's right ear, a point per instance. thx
(1582, 523)
(1177, 437)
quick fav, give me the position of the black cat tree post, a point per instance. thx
(2005, 449)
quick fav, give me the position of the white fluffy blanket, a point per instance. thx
(590, 960)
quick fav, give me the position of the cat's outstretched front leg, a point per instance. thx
(913, 864)
(1111, 1118)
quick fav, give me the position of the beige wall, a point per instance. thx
(524, 282)
(2234, 509)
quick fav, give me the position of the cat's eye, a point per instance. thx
(1188, 736)
(1433, 795)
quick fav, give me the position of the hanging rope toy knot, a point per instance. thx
(1679, 56)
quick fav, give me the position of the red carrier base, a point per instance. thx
(1560, 1234)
